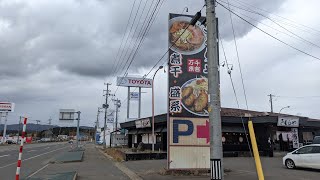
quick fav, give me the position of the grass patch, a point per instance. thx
(115, 154)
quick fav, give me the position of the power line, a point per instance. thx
(240, 69)
(142, 37)
(133, 35)
(231, 80)
(135, 16)
(298, 97)
(236, 97)
(124, 34)
(242, 14)
(150, 22)
(260, 14)
(168, 48)
(247, 5)
(269, 33)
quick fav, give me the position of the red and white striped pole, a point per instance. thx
(21, 148)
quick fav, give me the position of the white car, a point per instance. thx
(307, 157)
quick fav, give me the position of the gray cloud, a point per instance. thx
(83, 37)
(56, 54)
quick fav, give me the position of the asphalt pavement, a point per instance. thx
(34, 157)
(241, 168)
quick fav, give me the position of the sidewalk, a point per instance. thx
(94, 166)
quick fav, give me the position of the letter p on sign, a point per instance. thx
(177, 132)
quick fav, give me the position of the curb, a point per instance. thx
(132, 175)
(59, 160)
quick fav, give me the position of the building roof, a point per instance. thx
(232, 115)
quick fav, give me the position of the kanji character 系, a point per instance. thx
(175, 106)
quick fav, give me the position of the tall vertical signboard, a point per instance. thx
(188, 117)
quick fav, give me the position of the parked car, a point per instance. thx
(316, 140)
(45, 139)
(11, 142)
(307, 157)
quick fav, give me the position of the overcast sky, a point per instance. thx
(58, 54)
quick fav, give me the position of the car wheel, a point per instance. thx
(290, 164)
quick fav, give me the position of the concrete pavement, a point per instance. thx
(94, 166)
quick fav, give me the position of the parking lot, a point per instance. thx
(241, 168)
(244, 168)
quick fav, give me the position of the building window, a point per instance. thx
(307, 137)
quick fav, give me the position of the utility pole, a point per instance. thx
(105, 116)
(50, 121)
(97, 124)
(270, 95)
(216, 166)
(118, 104)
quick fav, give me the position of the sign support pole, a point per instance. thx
(139, 109)
(128, 104)
(214, 95)
(78, 133)
(5, 129)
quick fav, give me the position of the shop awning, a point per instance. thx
(232, 129)
(133, 131)
(145, 131)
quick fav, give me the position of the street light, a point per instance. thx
(284, 108)
(153, 138)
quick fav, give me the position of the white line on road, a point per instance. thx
(32, 157)
(32, 150)
(47, 148)
(5, 155)
(37, 171)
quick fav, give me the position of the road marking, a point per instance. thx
(32, 150)
(38, 171)
(5, 155)
(47, 148)
(32, 157)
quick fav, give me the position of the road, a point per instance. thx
(34, 157)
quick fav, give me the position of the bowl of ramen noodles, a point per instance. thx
(194, 94)
(185, 38)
